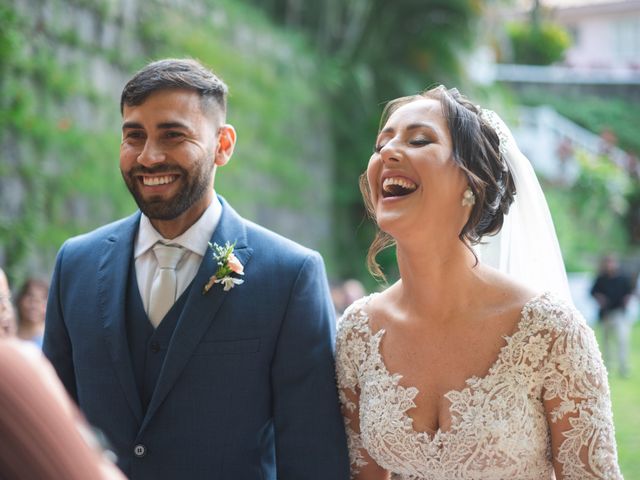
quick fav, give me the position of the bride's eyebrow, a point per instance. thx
(413, 126)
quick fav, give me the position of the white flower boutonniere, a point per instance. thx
(228, 264)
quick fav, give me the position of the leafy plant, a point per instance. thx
(538, 44)
(589, 217)
(63, 172)
(372, 51)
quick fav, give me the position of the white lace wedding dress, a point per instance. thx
(499, 427)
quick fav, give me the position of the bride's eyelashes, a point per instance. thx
(420, 142)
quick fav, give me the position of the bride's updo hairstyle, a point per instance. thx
(476, 150)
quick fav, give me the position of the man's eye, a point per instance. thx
(378, 148)
(174, 135)
(134, 135)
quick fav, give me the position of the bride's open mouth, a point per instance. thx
(397, 187)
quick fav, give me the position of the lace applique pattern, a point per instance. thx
(499, 426)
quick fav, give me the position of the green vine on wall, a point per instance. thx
(66, 171)
(48, 157)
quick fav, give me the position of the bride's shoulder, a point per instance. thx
(356, 315)
(549, 311)
(538, 310)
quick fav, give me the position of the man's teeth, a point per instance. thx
(151, 181)
(395, 184)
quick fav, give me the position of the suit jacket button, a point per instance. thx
(155, 347)
(139, 450)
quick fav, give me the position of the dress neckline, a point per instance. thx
(435, 436)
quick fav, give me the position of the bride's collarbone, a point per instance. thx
(437, 358)
(489, 323)
(435, 369)
(437, 364)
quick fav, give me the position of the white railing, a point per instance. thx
(550, 141)
(558, 74)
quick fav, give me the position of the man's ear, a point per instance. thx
(226, 144)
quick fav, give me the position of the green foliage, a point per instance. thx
(620, 116)
(291, 94)
(589, 217)
(69, 171)
(541, 44)
(42, 146)
(373, 51)
(10, 36)
(625, 398)
(270, 89)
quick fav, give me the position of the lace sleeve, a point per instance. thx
(578, 403)
(351, 351)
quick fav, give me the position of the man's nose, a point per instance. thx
(151, 154)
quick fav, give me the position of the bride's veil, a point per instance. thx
(527, 246)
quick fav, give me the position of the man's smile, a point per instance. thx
(158, 180)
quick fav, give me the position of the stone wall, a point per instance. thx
(93, 47)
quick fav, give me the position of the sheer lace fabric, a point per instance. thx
(500, 427)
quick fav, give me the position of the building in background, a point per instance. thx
(605, 33)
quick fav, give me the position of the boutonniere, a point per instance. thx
(228, 264)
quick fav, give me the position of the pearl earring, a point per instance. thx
(468, 198)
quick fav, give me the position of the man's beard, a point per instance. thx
(196, 183)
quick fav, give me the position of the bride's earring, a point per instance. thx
(468, 198)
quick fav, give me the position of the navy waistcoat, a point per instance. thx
(148, 346)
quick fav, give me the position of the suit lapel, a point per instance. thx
(113, 272)
(200, 309)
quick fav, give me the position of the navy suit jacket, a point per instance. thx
(247, 389)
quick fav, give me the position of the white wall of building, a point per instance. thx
(605, 35)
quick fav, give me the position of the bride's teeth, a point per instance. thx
(152, 181)
(400, 182)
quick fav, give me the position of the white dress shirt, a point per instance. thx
(195, 240)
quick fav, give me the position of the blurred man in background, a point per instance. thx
(612, 290)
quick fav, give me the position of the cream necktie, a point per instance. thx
(163, 288)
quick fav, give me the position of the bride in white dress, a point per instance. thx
(458, 370)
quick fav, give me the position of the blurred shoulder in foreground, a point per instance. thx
(43, 435)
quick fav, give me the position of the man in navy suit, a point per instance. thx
(230, 374)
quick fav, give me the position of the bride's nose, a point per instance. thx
(390, 153)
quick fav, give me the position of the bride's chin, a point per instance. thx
(394, 225)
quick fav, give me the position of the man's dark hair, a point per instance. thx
(174, 73)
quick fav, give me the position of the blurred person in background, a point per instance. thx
(344, 293)
(353, 290)
(338, 297)
(31, 304)
(7, 314)
(613, 290)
